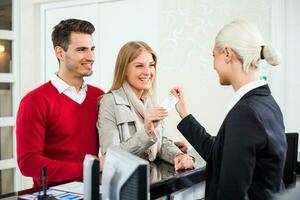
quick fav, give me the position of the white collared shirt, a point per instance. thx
(243, 90)
(69, 91)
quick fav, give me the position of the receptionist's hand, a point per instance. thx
(183, 162)
(180, 106)
(152, 116)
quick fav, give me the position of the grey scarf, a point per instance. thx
(138, 107)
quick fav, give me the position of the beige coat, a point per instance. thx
(116, 126)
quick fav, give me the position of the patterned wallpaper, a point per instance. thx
(187, 32)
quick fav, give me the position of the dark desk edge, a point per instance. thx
(178, 182)
(157, 189)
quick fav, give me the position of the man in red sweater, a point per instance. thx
(56, 122)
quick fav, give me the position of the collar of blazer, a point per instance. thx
(120, 97)
(263, 90)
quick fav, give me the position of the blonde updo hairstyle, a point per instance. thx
(246, 41)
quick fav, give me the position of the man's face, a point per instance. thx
(78, 60)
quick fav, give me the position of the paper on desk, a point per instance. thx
(34, 195)
(58, 194)
(28, 196)
(73, 187)
(50, 192)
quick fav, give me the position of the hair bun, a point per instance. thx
(271, 55)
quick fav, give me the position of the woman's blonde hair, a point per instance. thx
(130, 51)
(246, 41)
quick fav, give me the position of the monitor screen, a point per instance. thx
(290, 168)
(125, 176)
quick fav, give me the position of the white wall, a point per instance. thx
(187, 30)
(285, 80)
(112, 31)
(29, 44)
(292, 65)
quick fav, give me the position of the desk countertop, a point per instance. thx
(164, 180)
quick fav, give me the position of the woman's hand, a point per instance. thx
(183, 162)
(152, 116)
(180, 106)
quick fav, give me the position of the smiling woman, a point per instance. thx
(141, 73)
(128, 114)
(136, 55)
(253, 130)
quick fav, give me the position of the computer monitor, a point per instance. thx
(290, 168)
(125, 176)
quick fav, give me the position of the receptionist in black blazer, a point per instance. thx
(245, 160)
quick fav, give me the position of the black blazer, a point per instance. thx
(246, 158)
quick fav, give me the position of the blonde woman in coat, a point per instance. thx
(128, 114)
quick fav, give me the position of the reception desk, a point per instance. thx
(165, 181)
(163, 178)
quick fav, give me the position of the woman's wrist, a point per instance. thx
(183, 114)
(149, 131)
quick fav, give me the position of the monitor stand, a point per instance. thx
(45, 196)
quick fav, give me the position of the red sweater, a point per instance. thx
(55, 132)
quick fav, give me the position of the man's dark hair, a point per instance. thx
(62, 31)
